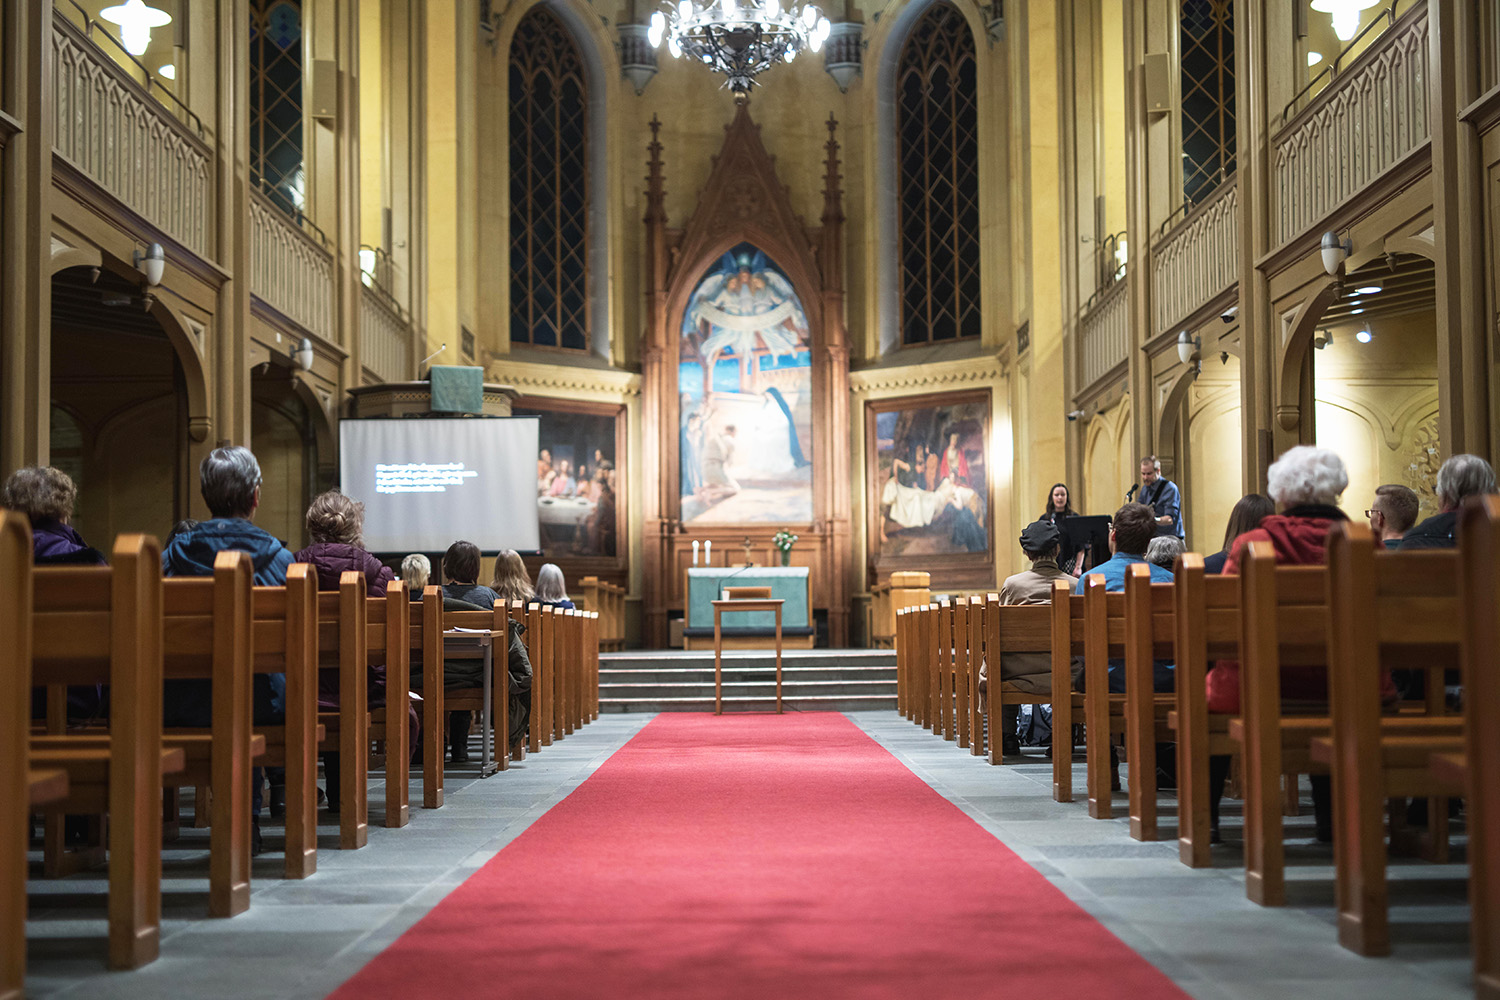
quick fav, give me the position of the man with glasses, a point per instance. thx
(1393, 513)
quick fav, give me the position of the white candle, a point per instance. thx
(695, 552)
(708, 552)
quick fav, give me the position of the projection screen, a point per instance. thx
(426, 483)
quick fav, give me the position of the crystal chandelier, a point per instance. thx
(740, 40)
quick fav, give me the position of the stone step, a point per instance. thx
(800, 703)
(678, 659)
(741, 689)
(738, 672)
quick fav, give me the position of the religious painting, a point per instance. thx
(578, 480)
(929, 483)
(745, 407)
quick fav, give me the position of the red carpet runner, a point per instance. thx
(756, 857)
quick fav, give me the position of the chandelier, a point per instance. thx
(740, 40)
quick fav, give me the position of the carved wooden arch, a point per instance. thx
(744, 201)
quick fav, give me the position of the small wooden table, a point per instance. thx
(463, 644)
(743, 604)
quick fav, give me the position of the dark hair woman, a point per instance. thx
(1059, 506)
(1249, 511)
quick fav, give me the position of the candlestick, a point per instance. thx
(695, 552)
(708, 552)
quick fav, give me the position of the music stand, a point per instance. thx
(1090, 533)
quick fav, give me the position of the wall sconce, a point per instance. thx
(1188, 347)
(1322, 339)
(1335, 251)
(304, 355)
(152, 263)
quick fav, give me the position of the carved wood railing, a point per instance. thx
(1197, 258)
(1367, 118)
(127, 142)
(384, 337)
(289, 270)
(1103, 336)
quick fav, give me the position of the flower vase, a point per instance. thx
(786, 557)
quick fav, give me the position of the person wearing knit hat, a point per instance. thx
(1028, 672)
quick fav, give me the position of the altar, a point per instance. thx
(748, 629)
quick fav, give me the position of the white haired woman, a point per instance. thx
(1305, 484)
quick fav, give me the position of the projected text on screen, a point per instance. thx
(421, 477)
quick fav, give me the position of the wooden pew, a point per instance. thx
(591, 646)
(281, 639)
(343, 645)
(426, 636)
(1479, 763)
(1149, 624)
(22, 787)
(1388, 609)
(104, 624)
(355, 632)
(976, 660)
(903, 650)
(1067, 641)
(1284, 622)
(286, 641)
(1103, 712)
(931, 639)
(1025, 628)
(542, 711)
(1206, 628)
(388, 623)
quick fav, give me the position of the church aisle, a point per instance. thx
(752, 856)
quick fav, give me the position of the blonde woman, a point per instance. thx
(511, 581)
(416, 570)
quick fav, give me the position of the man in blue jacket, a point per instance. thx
(229, 479)
(1130, 533)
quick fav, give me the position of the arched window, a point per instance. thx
(549, 183)
(276, 151)
(937, 135)
(1207, 28)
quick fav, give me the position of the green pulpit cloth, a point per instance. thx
(457, 389)
(705, 584)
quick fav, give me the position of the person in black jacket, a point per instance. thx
(1249, 511)
(1461, 477)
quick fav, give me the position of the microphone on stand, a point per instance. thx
(1130, 493)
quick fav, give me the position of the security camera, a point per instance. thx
(1229, 314)
(1075, 414)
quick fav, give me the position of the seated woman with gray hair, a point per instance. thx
(1459, 478)
(1163, 550)
(1305, 483)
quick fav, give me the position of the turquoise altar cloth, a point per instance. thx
(786, 582)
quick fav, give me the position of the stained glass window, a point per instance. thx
(937, 108)
(548, 186)
(1207, 28)
(276, 151)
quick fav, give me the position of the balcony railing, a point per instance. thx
(384, 337)
(1197, 258)
(129, 143)
(1368, 117)
(289, 270)
(1103, 335)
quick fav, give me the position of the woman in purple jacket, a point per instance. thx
(46, 496)
(336, 524)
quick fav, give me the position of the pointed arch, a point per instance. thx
(599, 71)
(903, 21)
